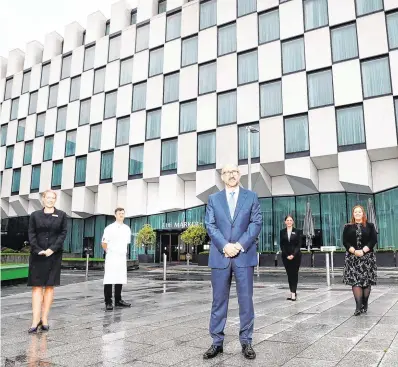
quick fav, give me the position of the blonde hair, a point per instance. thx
(43, 195)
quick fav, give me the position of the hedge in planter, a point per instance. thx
(194, 235)
(146, 237)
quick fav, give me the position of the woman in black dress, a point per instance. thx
(360, 270)
(290, 242)
(47, 232)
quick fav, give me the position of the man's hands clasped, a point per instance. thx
(46, 253)
(232, 249)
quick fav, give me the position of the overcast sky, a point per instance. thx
(22, 21)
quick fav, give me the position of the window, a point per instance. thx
(156, 62)
(95, 138)
(45, 74)
(110, 105)
(99, 80)
(207, 78)
(70, 146)
(114, 48)
(254, 142)
(392, 27)
(320, 89)
(188, 116)
(27, 155)
(296, 135)
(208, 14)
(133, 18)
(14, 109)
(9, 156)
(268, 24)
(122, 131)
(153, 121)
(344, 43)
(189, 51)
(61, 118)
(48, 148)
(56, 178)
(8, 89)
(169, 155)
(126, 71)
(26, 82)
(80, 170)
(315, 14)
(89, 54)
(4, 135)
(21, 130)
(16, 181)
(173, 29)
(293, 56)
(368, 6)
(226, 108)
(139, 97)
(84, 116)
(35, 178)
(74, 89)
(162, 6)
(247, 67)
(53, 96)
(350, 128)
(271, 99)
(171, 88)
(376, 77)
(142, 38)
(66, 65)
(136, 162)
(40, 124)
(227, 39)
(246, 7)
(33, 102)
(207, 150)
(106, 166)
(107, 27)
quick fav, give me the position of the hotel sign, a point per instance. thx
(179, 225)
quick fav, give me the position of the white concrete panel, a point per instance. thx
(390, 4)
(137, 127)
(329, 180)
(19, 204)
(188, 82)
(394, 71)
(72, 115)
(93, 168)
(73, 36)
(26, 175)
(136, 198)
(124, 100)
(281, 186)
(152, 152)
(5, 111)
(291, 19)
(294, 93)
(106, 200)
(317, 49)
(77, 61)
(170, 120)
(152, 198)
(95, 28)
(18, 154)
(226, 146)
(2, 86)
(52, 46)
(112, 75)
(372, 35)
(226, 11)
(108, 139)
(63, 92)
(42, 99)
(59, 145)
(35, 77)
(157, 31)
(261, 180)
(23, 106)
(385, 174)
(64, 201)
(207, 112)
(302, 175)
(4, 208)
(30, 128)
(12, 132)
(247, 32)
(16, 85)
(227, 76)
(101, 52)
(82, 140)
(154, 95)
(3, 67)
(380, 128)
(208, 182)
(33, 54)
(190, 195)
(347, 82)
(37, 152)
(97, 108)
(55, 70)
(187, 153)
(190, 19)
(171, 193)
(140, 67)
(341, 11)
(127, 47)
(121, 164)
(207, 45)
(269, 60)
(68, 173)
(46, 171)
(86, 84)
(15, 61)
(248, 101)
(83, 201)
(51, 122)
(2, 160)
(120, 15)
(147, 9)
(6, 184)
(172, 56)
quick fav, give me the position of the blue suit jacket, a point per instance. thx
(243, 228)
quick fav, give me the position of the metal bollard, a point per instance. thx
(327, 269)
(164, 266)
(87, 256)
(258, 264)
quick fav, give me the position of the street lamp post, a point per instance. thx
(250, 130)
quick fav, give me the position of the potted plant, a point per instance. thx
(146, 237)
(203, 258)
(194, 235)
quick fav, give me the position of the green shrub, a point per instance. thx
(7, 250)
(146, 237)
(204, 253)
(194, 235)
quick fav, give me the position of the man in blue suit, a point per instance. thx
(233, 221)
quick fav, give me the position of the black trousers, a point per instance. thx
(292, 268)
(108, 293)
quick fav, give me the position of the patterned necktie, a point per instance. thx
(231, 204)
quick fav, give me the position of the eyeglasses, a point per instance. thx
(228, 173)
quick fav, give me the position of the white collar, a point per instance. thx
(235, 190)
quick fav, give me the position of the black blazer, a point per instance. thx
(45, 234)
(293, 246)
(369, 236)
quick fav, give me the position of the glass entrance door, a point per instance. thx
(169, 246)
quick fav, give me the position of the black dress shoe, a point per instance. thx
(121, 303)
(213, 351)
(248, 351)
(364, 309)
(109, 307)
(357, 312)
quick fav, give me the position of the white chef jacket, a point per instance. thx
(117, 237)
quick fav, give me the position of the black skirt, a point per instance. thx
(44, 271)
(360, 271)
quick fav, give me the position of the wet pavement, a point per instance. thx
(167, 323)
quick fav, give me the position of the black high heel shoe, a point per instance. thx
(357, 312)
(44, 327)
(35, 329)
(364, 309)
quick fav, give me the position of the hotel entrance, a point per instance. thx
(172, 245)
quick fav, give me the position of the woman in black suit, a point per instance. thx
(47, 232)
(360, 270)
(290, 242)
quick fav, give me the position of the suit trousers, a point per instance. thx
(108, 293)
(292, 268)
(221, 284)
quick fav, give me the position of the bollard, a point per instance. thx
(327, 269)
(258, 264)
(164, 266)
(87, 256)
(332, 263)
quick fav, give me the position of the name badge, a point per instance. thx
(293, 232)
(55, 215)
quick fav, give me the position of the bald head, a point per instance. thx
(231, 175)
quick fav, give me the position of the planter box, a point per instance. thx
(267, 260)
(386, 259)
(339, 259)
(306, 261)
(203, 260)
(94, 265)
(24, 258)
(142, 258)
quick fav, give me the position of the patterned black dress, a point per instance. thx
(360, 271)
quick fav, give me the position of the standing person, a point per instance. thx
(290, 242)
(116, 238)
(47, 233)
(233, 221)
(360, 269)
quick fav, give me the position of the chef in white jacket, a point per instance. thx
(116, 238)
